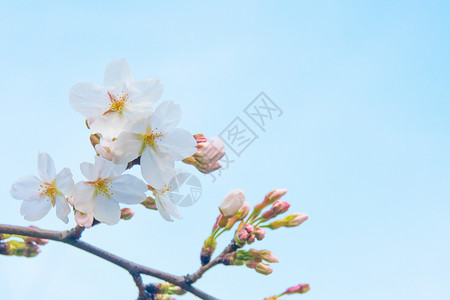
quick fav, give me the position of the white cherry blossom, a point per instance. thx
(157, 142)
(39, 195)
(122, 99)
(104, 189)
(232, 203)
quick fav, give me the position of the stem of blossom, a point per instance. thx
(71, 237)
(190, 279)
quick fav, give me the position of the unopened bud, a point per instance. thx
(207, 250)
(299, 289)
(200, 138)
(149, 203)
(270, 198)
(239, 216)
(95, 139)
(232, 203)
(291, 220)
(278, 208)
(251, 264)
(210, 151)
(271, 298)
(260, 233)
(268, 256)
(208, 168)
(263, 268)
(126, 214)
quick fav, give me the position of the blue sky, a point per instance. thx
(363, 145)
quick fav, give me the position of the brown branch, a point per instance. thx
(72, 236)
(190, 279)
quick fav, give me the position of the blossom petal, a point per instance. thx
(89, 99)
(46, 167)
(27, 188)
(128, 189)
(127, 147)
(142, 94)
(62, 208)
(83, 197)
(166, 207)
(117, 74)
(64, 180)
(179, 143)
(156, 167)
(106, 211)
(35, 210)
(109, 125)
(166, 116)
(88, 170)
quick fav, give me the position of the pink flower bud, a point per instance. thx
(243, 235)
(260, 233)
(274, 195)
(211, 151)
(299, 289)
(298, 219)
(249, 228)
(268, 256)
(232, 203)
(126, 214)
(291, 220)
(84, 220)
(149, 203)
(251, 264)
(239, 216)
(251, 239)
(208, 168)
(263, 268)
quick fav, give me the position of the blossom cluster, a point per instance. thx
(125, 129)
(251, 226)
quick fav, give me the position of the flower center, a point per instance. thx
(102, 187)
(151, 138)
(118, 102)
(48, 190)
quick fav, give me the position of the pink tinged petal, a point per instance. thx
(157, 166)
(62, 208)
(26, 188)
(128, 189)
(35, 210)
(106, 211)
(46, 167)
(84, 220)
(117, 74)
(166, 207)
(83, 197)
(88, 170)
(179, 143)
(64, 181)
(89, 99)
(127, 147)
(166, 116)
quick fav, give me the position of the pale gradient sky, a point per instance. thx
(363, 145)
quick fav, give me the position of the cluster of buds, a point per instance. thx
(164, 290)
(247, 234)
(26, 246)
(208, 154)
(253, 259)
(298, 289)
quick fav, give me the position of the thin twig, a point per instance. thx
(218, 260)
(71, 237)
